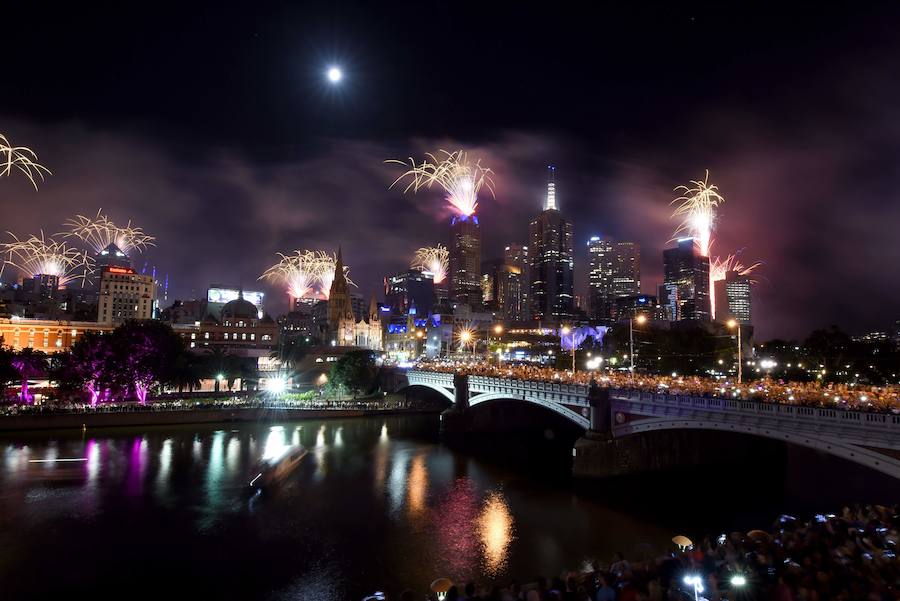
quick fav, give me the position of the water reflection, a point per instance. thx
(418, 485)
(495, 529)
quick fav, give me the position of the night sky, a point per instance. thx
(214, 129)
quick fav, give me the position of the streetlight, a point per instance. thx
(696, 582)
(641, 319)
(732, 324)
(565, 332)
(498, 330)
(738, 580)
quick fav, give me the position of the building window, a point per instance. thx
(226, 335)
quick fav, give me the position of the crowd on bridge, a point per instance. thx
(833, 395)
(844, 557)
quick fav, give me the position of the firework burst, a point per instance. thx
(435, 259)
(460, 178)
(21, 159)
(99, 232)
(37, 255)
(720, 266)
(697, 206)
(297, 271)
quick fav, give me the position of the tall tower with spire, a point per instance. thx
(550, 202)
(340, 310)
(552, 292)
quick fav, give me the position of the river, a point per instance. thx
(377, 504)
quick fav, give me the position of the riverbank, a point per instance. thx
(153, 417)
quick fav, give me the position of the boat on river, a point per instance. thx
(270, 471)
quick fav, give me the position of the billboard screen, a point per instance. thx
(225, 295)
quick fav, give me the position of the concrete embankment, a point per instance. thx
(56, 421)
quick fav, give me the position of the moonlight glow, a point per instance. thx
(334, 74)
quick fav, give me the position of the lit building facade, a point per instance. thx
(409, 288)
(516, 255)
(48, 336)
(239, 330)
(125, 295)
(343, 327)
(733, 298)
(552, 294)
(685, 289)
(615, 271)
(464, 273)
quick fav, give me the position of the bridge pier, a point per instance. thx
(456, 419)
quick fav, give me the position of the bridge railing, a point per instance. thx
(799, 412)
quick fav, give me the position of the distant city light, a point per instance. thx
(334, 74)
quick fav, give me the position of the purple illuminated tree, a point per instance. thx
(145, 353)
(89, 366)
(28, 363)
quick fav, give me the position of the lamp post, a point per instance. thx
(565, 332)
(498, 330)
(696, 582)
(732, 323)
(641, 319)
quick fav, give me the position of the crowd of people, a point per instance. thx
(817, 393)
(221, 403)
(851, 556)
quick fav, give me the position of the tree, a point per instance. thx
(88, 367)
(829, 346)
(220, 363)
(355, 372)
(7, 372)
(144, 354)
(28, 363)
(186, 372)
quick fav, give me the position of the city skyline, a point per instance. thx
(196, 183)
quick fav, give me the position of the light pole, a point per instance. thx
(732, 323)
(641, 319)
(498, 330)
(565, 331)
(696, 582)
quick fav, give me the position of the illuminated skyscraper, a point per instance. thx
(615, 272)
(685, 288)
(552, 263)
(516, 255)
(733, 298)
(464, 274)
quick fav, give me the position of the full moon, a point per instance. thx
(334, 75)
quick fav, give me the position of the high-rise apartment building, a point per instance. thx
(412, 287)
(464, 274)
(615, 272)
(516, 255)
(685, 289)
(552, 261)
(733, 298)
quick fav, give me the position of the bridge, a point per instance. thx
(870, 439)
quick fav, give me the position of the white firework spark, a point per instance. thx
(297, 271)
(99, 231)
(697, 207)
(37, 255)
(461, 179)
(435, 259)
(21, 159)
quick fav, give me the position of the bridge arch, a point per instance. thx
(886, 464)
(573, 416)
(447, 394)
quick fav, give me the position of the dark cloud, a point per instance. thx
(810, 208)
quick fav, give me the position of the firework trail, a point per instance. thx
(697, 208)
(297, 271)
(21, 159)
(37, 255)
(719, 267)
(325, 268)
(99, 232)
(435, 259)
(452, 171)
